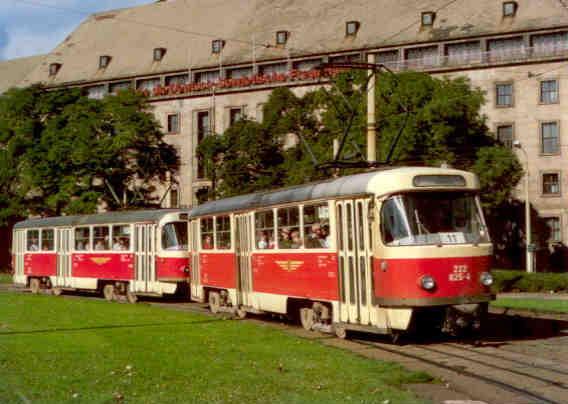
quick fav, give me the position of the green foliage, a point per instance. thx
(89, 351)
(61, 152)
(538, 305)
(437, 121)
(519, 281)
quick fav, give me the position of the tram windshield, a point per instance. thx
(427, 218)
(174, 236)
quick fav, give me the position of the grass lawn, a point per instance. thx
(5, 278)
(534, 304)
(80, 350)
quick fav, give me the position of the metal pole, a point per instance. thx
(371, 120)
(530, 252)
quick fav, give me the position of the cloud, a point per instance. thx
(3, 42)
(23, 42)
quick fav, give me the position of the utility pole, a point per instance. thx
(371, 119)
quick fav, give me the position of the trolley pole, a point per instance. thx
(528, 230)
(371, 119)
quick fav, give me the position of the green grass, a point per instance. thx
(5, 278)
(80, 350)
(534, 304)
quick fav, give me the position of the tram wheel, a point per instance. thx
(307, 318)
(214, 302)
(57, 291)
(241, 312)
(108, 293)
(35, 286)
(131, 297)
(340, 331)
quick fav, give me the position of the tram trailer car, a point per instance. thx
(389, 251)
(118, 253)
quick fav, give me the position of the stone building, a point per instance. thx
(205, 63)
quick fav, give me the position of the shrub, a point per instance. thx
(519, 281)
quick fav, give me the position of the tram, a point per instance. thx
(120, 254)
(385, 252)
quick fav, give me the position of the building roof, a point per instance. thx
(12, 72)
(187, 27)
(134, 216)
(379, 182)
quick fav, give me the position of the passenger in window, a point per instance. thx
(285, 242)
(325, 237)
(46, 246)
(295, 239)
(314, 239)
(119, 244)
(207, 243)
(100, 245)
(265, 241)
(34, 246)
(80, 246)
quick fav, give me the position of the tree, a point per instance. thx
(436, 120)
(63, 153)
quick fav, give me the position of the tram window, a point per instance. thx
(349, 227)
(47, 240)
(351, 281)
(340, 226)
(223, 232)
(264, 229)
(342, 278)
(360, 226)
(289, 228)
(82, 239)
(174, 236)
(33, 240)
(316, 226)
(120, 238)
(101, 240)
(363, 278)
(207, 234)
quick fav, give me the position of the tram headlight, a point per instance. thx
(427, 282)
(486, 279)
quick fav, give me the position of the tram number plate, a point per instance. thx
(460, 273)
(452, 238)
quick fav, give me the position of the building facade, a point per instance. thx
(206, 63)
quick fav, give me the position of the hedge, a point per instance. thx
(519, 281)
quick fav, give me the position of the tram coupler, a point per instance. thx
(464, 317)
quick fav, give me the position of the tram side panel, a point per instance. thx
(40, 264)
(172, 269)
(116, 267)
(218, 270)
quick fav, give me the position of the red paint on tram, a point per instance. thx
(171, 268)
(218, 270)
(104, 266)
(40, 264)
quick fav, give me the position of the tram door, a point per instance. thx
(196, 290)
(63, 278)
(145, 251)
(18, 249)
(243, 249)
(354, 250)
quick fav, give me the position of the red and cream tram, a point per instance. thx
(375, 252)
(120, 253)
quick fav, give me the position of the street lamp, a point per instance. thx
(529, 248)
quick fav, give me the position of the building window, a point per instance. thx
(509, 8)
(159, 54)
(351, 28)
(506, 49)
(553, 224)
(239, 73)
(463, 53)
(281, 37)
(274, 68)
(97, 92)
(549, 92)
(115, 88)
(425, 56)
(550, 138)
(147, 84)
(217, 46)
(178, 79)
(203, 130)
(355, 57)
(235, 115)
(428, 18)
(207, 77)
(504, 95)
(551, 184)
(174, 198)
(104, 61)
(549, 44)
(388, 58)
(306, 65)
(54, 69)
(173, 123)
(505, 135)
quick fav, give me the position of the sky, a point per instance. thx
(33, 27)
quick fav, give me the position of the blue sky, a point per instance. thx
(31, 27)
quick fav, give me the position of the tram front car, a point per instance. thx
(434, 251)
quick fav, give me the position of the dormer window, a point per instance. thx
(104, 61)
(510, 8)
(428, 18)
(217, 46)
(352, 27)
(281, 37)
(159, 54)
(54, 69)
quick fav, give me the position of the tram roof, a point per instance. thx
(374, 182)
(132, 216)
